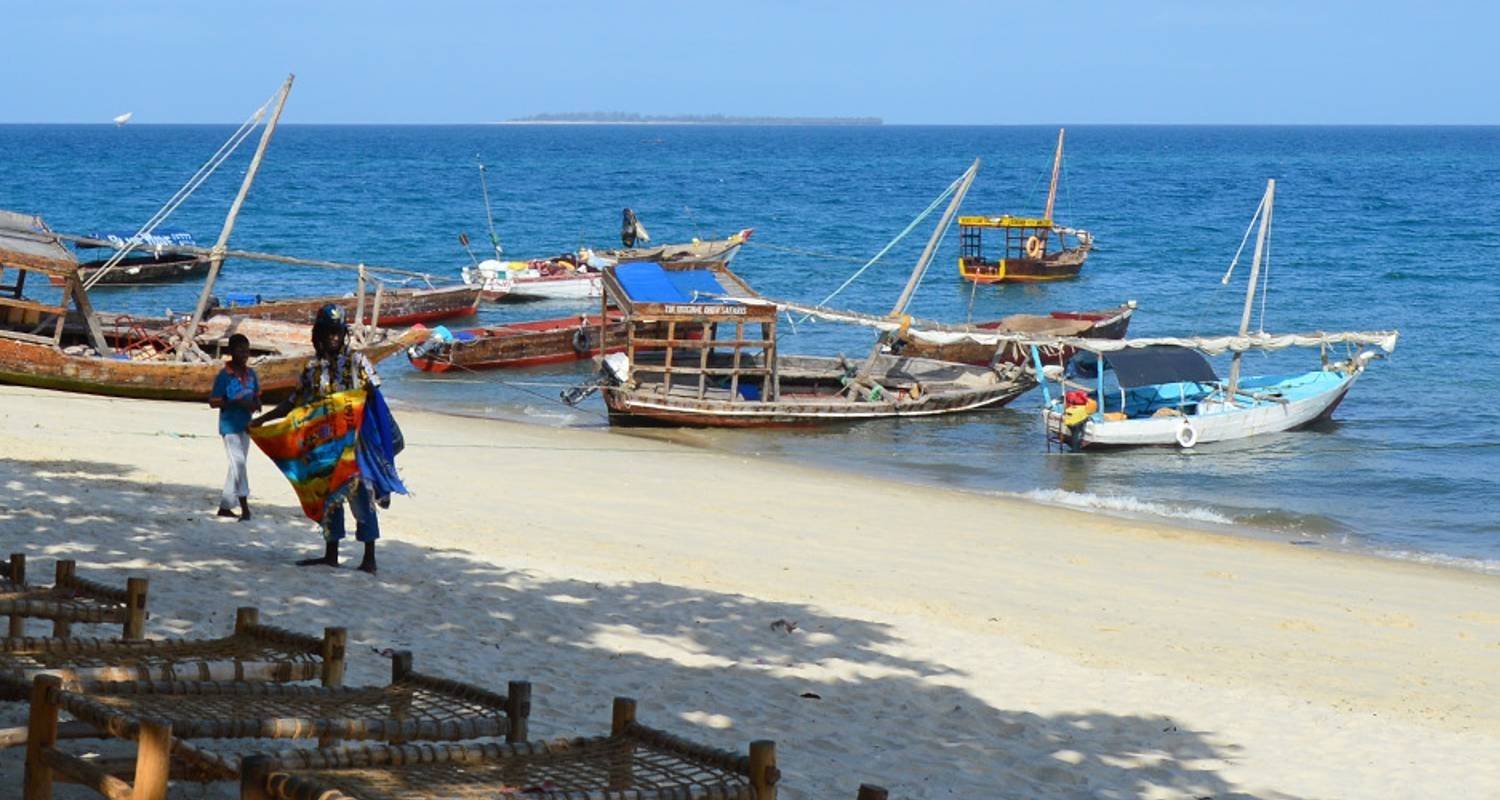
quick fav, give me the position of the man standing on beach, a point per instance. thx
(335, 368)
(236, 394)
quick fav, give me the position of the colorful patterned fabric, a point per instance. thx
(315, 447)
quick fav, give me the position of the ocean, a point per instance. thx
(1375, 228)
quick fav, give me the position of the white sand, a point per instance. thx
(961, 645)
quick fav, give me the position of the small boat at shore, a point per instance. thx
(1164, 392)
(523, 344)
(578, 276)
(1031, 249)
(149, 259)
(388, 308)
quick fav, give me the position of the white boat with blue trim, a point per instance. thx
(1129, 393)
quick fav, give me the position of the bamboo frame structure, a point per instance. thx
(633, 761)
(71, 599)
(160, 715)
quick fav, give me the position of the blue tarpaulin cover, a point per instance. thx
(647, 282)
(162, 238)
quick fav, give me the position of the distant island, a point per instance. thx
(626, 118)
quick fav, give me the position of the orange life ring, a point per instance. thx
(1033, 247)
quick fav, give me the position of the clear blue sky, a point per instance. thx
(1199, 61)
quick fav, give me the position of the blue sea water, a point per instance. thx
(1375, 228)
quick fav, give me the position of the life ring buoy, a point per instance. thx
(1033, 247)
(1187, 435)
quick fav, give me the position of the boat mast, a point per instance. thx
(484, 186)
(217, 258)
(1056, 166)
(1260, 246)
(926, 257)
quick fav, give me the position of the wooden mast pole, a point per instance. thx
(927, 253)
(217, 258)
(1056, 166)
(1266, 204)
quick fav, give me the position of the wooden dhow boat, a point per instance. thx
(1108, 323)
(388, 308)
(1163, 391)
(730, 373)
(60, 342)
(158, 263)
(1030, 249)
(520, 344)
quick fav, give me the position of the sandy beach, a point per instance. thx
(945, 644)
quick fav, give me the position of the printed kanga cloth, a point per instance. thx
(315, 446)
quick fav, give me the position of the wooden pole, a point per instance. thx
(41, 736)
(66, 568)
(245, 618)
(17, 577)
(763, 772)
(153, 759)
(1266, 204)
(217, 258)
(1052, 189)
(135, 608)
(334, 642)
(622, 771)
(253, 771)
(518, 710)
(925, 259)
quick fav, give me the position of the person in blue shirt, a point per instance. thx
(236, 394)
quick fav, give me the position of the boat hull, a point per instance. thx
(398, 308)
(1061, 266)
(530, 285)
(1219, 424)
(634, 406)
(149, 270)
(44, 366)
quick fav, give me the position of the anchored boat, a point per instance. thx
(387, 308)
(1023, 249)
(136, 258)
(1164, 391)
(701, 350)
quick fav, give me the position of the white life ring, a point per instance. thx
(1187, 435)
(1033, 247)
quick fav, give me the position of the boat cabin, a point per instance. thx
(689, 331)
(1140, 382)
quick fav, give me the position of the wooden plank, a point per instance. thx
(671, 334)
(737, 342)
(696, 370)
(31, 305)
(734, 379)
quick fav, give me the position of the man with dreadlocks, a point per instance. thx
(336, 368)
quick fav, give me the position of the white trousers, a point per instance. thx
(237, 484)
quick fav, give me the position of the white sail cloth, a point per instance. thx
(938, 333)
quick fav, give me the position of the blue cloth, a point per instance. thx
(228, 386)
(379, 442)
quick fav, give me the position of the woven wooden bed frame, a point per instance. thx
(159, 715)
(633, 762)
(253, 652)
(70, 599)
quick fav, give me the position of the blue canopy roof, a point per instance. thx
(170, 237)
(647, 282)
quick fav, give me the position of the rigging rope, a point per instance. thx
(184, 192)
(952, 187)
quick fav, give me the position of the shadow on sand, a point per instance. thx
(706, 665)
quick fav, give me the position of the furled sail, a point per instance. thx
(939, 333)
